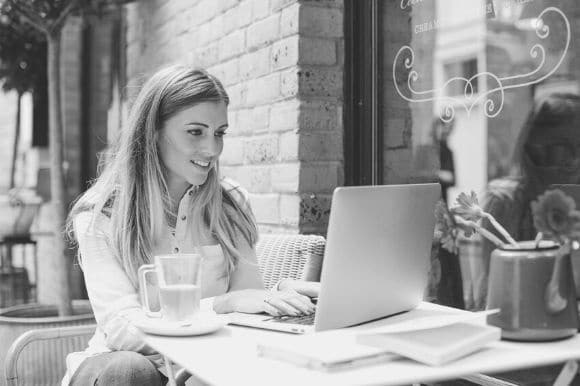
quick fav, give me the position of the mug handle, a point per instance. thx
(142, 272)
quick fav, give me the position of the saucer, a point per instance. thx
(203, 323)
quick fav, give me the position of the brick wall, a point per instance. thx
(281, 62)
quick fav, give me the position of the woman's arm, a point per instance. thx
(114, 300)
(246, 274)
(247, 293)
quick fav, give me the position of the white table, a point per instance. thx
(229, 357)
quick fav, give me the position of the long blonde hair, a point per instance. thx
(132, 189)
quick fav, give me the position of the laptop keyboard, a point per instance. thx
(304, 320)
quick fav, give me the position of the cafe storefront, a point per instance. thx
(440, 90)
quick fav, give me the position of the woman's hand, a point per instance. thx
(276, 303)
(307, 288)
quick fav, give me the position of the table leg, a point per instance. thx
(169, 369)
(567, 374)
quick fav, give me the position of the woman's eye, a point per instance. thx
(194, 131)
(220, 133)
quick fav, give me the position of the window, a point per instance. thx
(464, 71)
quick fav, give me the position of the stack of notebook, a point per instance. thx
(429, 341)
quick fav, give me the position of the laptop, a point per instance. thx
(376, 260)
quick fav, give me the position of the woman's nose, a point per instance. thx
(211, 146)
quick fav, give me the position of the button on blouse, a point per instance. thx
(178, 235)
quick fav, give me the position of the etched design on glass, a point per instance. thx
(494, 95)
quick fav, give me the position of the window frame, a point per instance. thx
(363, 145)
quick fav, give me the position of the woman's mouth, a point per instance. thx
(201, 164)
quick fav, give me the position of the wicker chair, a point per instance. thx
(38, 356)
(289, 256)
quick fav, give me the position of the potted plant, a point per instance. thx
(530, 281)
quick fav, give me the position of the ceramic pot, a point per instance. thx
(534, 290)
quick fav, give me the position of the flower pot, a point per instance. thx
(14, 321)
(534, 290)
(17, 212)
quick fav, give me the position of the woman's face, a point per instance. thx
(191, 141)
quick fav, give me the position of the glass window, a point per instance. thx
(476, 94)
(461, 69)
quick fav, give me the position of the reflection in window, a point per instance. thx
(465, 69)
(482, 64)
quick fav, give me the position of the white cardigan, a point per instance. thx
(115, 302)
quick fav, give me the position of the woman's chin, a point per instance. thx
(198, 179)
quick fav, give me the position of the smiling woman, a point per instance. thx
(161, 192)
(190, 143)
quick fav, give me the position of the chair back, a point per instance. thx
(38, 357)
(282, 256)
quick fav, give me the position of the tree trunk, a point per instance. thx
(57, 183)
(16, 141)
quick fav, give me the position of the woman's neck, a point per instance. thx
(176, 191)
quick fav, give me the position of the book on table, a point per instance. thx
(434, 346)
(348, 348)
(326, 351)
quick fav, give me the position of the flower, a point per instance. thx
(555, 216)
(445, 228)
(470, 213)
(468, 207)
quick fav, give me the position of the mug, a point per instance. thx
(534, 290)
(179, 284)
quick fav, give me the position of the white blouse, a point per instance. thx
(115, 302)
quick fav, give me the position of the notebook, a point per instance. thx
(341, 349)
(434, 346)
(327, 351)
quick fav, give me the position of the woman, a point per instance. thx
(547, 152)
(160, 192)
(440, 132)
